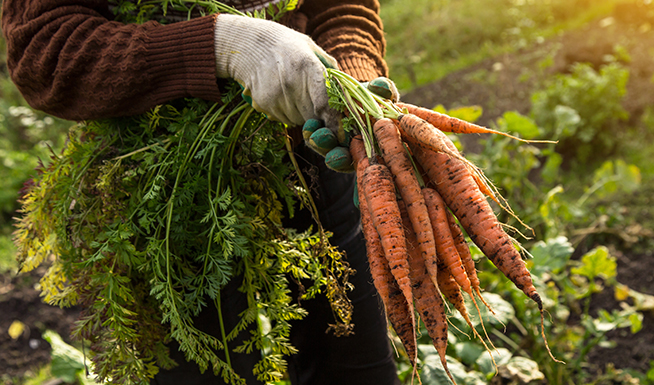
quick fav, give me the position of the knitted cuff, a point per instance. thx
(182, 61)
(361, 68)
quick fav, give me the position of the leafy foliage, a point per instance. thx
(583, 110)
(145, 219)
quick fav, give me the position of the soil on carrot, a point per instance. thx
(499, 84)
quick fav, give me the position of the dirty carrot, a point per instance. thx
(458, 189)
(379, 192)
(425, 292)
(445, 247)
(451, 290)
(398, 310)
(397, 159)
(457, 126)
(421, 133)
(466, 257)
(447, 251)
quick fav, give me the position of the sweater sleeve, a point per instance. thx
(70, 60)
(352, 32)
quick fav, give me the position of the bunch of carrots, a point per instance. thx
(413, 185)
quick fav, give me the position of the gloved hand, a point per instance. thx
(280, 69)
(335, 146)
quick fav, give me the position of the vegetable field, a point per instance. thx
(580, 72)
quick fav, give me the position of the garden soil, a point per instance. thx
(502, 84)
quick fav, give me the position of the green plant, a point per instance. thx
(148, 217)
(583, 111)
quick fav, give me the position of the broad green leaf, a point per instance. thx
(519, 125)
(440, 108)
(567, 120)
(66, 360)
(468, 352)
(551, 170)
(469, 113)
(433, 372)
(504, 311)
(500, 355)
(636, 320)
(475, 378)
(597, 263)
(552, 255)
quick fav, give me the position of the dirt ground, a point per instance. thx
(498, 85)
(20, 301)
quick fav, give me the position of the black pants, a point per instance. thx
(362, 358)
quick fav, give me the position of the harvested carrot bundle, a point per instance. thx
(431, 178)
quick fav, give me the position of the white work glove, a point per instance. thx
(279, 68)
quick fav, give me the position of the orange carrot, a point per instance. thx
(398, 310)
(452, 291)
(445, 246)
(428, 300)
(419, 132)
(453, 181)
(379, 191)
(357, 150)
(396, 158)
(466, 257)
(458, 189)
(457, 126)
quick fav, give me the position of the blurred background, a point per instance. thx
(577, 71)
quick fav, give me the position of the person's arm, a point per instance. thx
(68, 59)
(350, 31)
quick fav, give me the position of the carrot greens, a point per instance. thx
(143, 220)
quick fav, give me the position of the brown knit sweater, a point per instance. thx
(70, 60)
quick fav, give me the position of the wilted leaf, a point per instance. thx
(16, 329)
(521, 370)
(642, 302)
(621, 292)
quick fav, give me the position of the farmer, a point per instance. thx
(70, 60)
